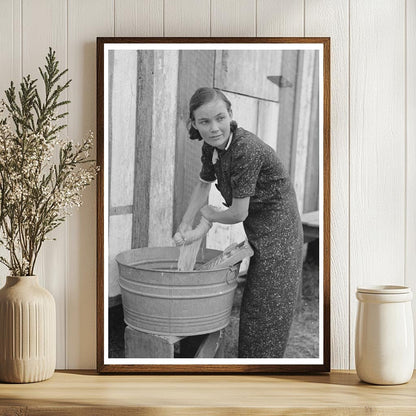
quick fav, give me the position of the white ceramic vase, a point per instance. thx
(384, 339)
(27, 331)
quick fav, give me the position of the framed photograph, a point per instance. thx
(213, 239)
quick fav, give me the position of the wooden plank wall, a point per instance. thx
(373, 169)
(410, 107)
(331, 18)
(377, 146)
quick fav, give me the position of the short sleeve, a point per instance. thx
(246, 165)
(207, 173)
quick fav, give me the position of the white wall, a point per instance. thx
(373, 132)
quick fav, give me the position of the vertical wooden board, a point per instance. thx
(109, 84)
(287, 105)
(123, 109)
(331, 18)
(247, 71)
(163, 148)
(303, 124)
(7, 23)
(280, 18)
(267, 122)
(138, 17)
(311, 195)
(44, 25)
(187, 18)
(377, 158)
(410, 279)
(120, 228)
(10, 67)
(86, 21)
(10, 44)
(143, 148)
(233, 18)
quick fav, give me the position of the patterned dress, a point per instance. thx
(250, 168)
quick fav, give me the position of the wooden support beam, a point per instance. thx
(142, 169)
(311, 196)
(287, 98)
(303, 111)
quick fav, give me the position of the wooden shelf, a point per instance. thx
(86, 393)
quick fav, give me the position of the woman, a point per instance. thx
(257, 191)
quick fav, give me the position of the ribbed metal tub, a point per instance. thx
(159, 299)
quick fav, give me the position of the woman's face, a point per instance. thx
(212, 120)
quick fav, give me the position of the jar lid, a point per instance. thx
(384, 289)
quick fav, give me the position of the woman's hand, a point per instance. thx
(179, 237)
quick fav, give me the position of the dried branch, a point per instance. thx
(36, 193)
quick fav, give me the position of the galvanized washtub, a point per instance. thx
(159, 299)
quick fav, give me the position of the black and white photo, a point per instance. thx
(213, 250)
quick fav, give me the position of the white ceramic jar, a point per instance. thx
(384, 337)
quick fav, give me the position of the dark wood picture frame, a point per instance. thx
(102, 361)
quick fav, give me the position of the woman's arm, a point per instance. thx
(198, 199)
(236, 213)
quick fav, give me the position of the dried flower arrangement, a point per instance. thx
(42, 176)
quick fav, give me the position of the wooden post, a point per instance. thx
(311, 197)
(302, 123)
(144, 122)
(162, 170)
(287, 98)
